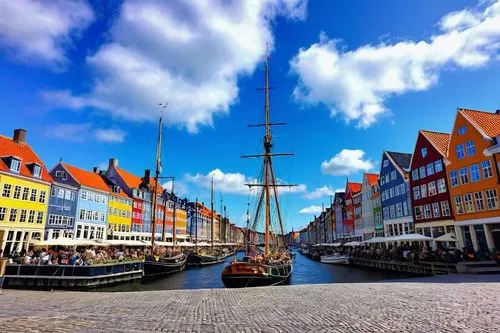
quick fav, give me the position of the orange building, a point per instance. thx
(473, 178)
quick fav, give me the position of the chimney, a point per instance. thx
(113, 162)
(19, 135)
(147, 176)
(96, 170)
(498, 111)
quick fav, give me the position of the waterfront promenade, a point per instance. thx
(410, 306)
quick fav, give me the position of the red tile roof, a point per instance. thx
(355, 187)
(439, 140)
(159, 188)
(131, 180)
(372, 178)
(22, 150)
(87, 178)
(488, 122)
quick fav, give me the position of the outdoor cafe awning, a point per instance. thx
(449, 237)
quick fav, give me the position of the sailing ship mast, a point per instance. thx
(212, 215)
(174, 236)
(157, 174)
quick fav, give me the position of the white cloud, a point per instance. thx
(38, 32)
(346, 162)
(180, 187)
(310, 210)
(356, 83)
(320, 192)
(189, 52)
(84, 132)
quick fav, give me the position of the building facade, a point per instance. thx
(61, 212)
(394, 185)
(352, 189)
(339, 206)
(368, 218)
(378, 220)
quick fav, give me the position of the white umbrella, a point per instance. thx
(353, 244)
(164, 243)
(203, 244)
(336, 244)
(449, 237)
(185, 244)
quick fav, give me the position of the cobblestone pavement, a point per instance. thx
(370, 307)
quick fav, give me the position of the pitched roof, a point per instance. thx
(355, 187)
(403, 160)
(159, 188)
(372, 178)
(488, 122)
(87, 178)
(130, 179)
(439, 140)
(22, 150)
(110, 185)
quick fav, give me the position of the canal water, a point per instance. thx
(305, 271)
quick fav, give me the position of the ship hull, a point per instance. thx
(203, 260)
(164, 266)
(245, 275)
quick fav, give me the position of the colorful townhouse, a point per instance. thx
(378, 220)
(358, 221)
(138, 190)
(330, 224)
(351, 191)
(394, 190)
(368, 219)
(339, 207)
(200, 221)
(119, 212)
(92, 200)
(473, 178)
(62, 209)
(178, 207)
(430, 197)
(25, 187)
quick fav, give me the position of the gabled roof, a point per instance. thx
(372, 178)
(354, 187)
(87, 178)
(402, 160)
(130, 179)
(487, 122)
(440, 141)
(110, 185)
(22, 150)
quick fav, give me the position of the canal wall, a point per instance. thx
(411, 306)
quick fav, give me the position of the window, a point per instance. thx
(399, 210)
(33, 194)
(462, 130)
(39, 217)
(478, 196)
(15, 165)
(53, 191)
(435, 209)
(98, 198)
(491, 199)
(459, 207)
(386, 163)
(460, 151)
(424, 152)
(90, 196)
(430, 169)
(469, 204)
(438, 166)
(6, 190)
(37, 171)
(487, 172)
(402, 190)
(387, 178)
(31, 217)
(41, 199)
(26, 192)
(405, 208)
(445, 208)
(393, 174)
(423, 191)
(471, 148)
(418, 212)
(432, 188)
(422, 172)
(82, 214)
(17, 192)
(474, 173)
(73, 196)
(393, 211)
(396, 191)
(3, 212)
(427, 211)
(441, 184)
(67, 195)
(84, 195)
(464, 176)
(414, 174)
(13, 215)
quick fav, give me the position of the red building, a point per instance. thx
(351, 190)
(137, 214)
(430, 195)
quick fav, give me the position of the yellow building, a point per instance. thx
(24, 193)
(119, 214)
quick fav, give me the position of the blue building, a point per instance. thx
(92, 200)
(61, 211)
(395, 194)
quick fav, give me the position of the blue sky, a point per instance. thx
(352, 79)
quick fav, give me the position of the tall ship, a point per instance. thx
(273, 264)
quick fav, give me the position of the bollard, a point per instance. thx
(3, 264)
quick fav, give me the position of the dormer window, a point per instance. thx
(37, 171)
(15, 164)
(116, 189)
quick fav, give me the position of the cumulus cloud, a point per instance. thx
(189, 52)
(357, 83)
(320, 192)
(39, 32)
(310, 210)
(84, 132)
(347, 162)
(180, 187)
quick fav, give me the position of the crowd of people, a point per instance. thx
(58, 255)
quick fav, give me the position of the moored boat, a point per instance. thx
(161, 266)
(251, 274)
(205, 259)
(336, 259)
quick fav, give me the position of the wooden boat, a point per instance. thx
(205, 259)
(71, 276)
(274, 265)
(164, 265)
(336, 259)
